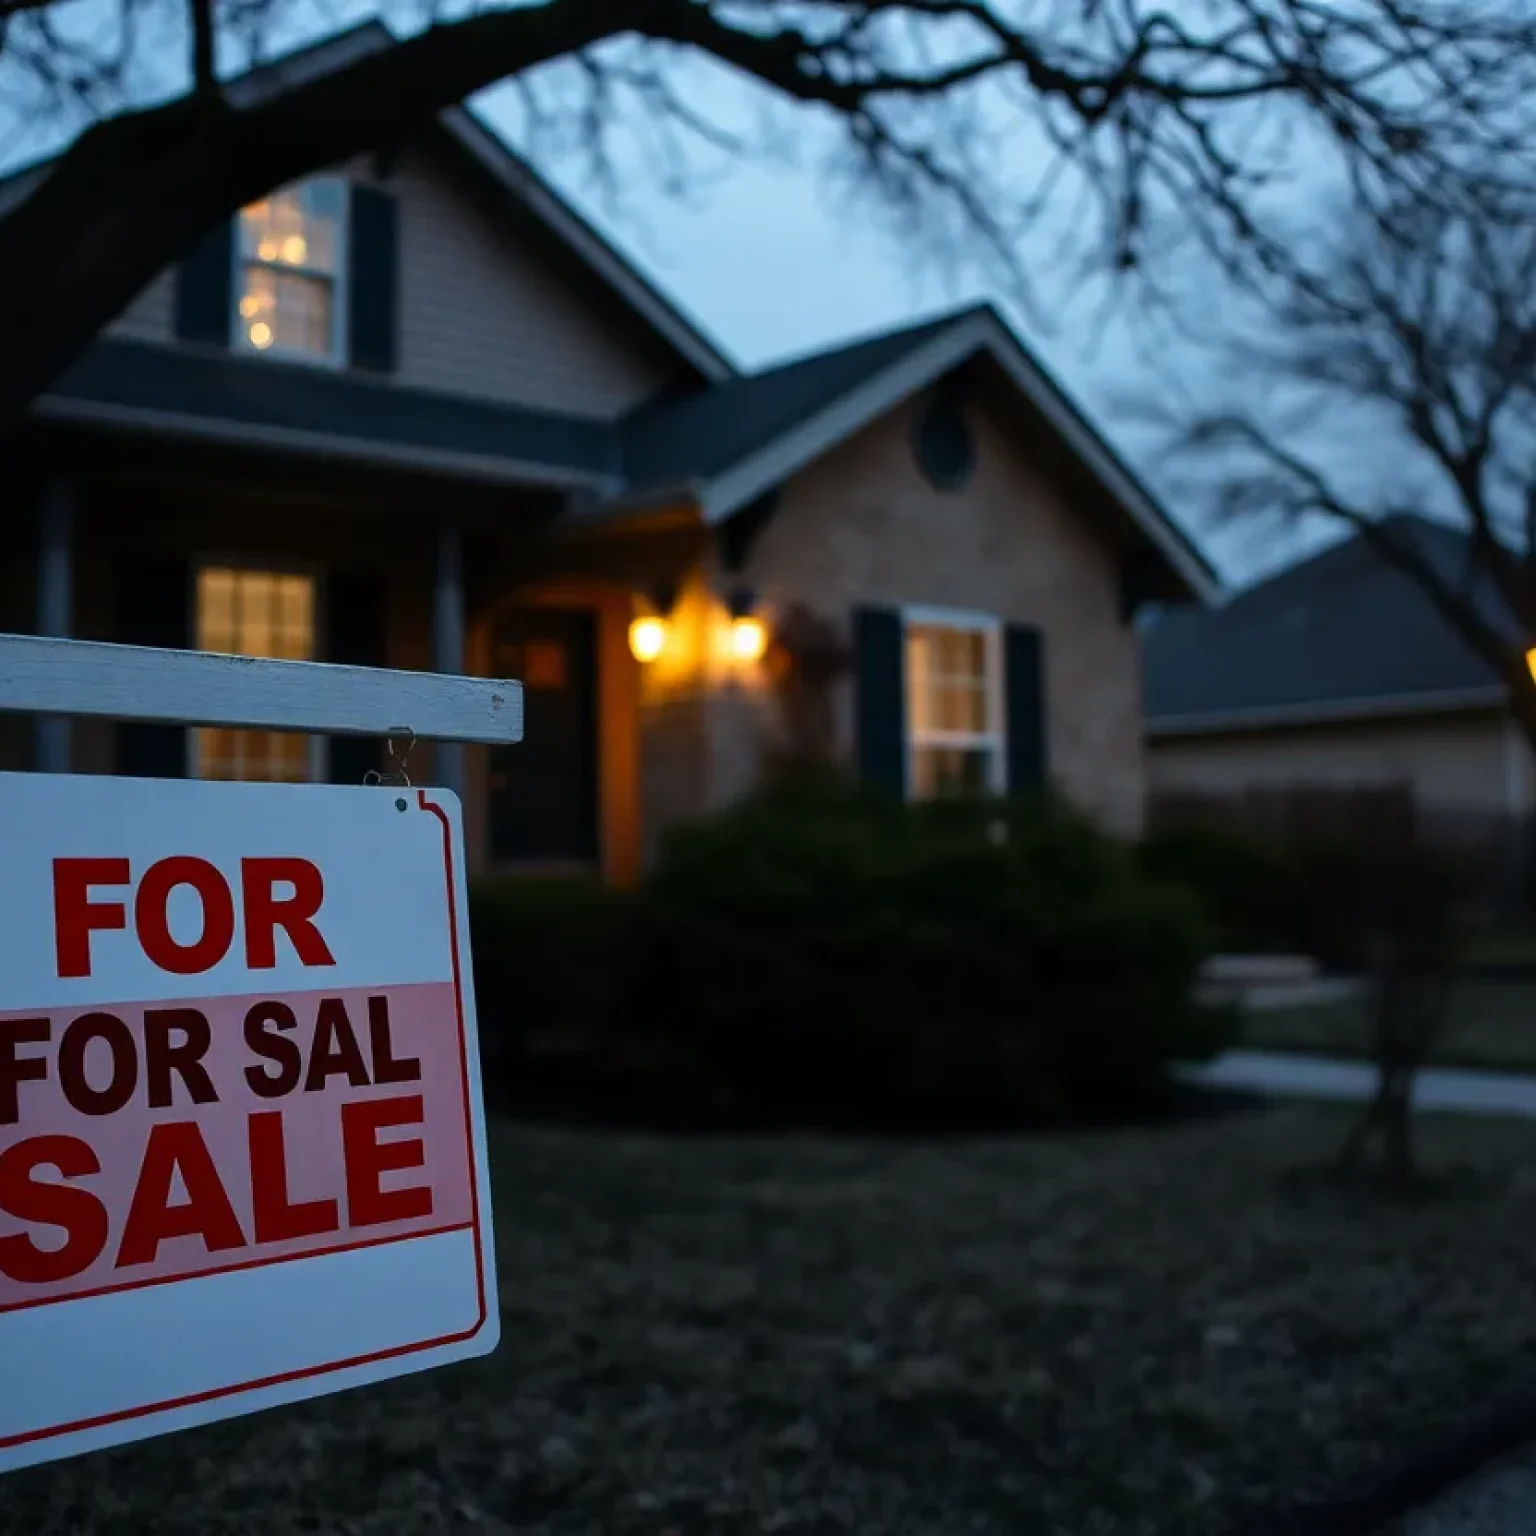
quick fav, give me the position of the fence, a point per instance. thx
(1492, 848)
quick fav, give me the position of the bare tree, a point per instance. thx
(1163, 115)
(1419, 334)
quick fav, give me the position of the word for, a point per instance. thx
(77, 915)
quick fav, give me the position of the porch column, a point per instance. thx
(55, 605)
(448, 642)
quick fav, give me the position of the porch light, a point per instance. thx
(749, 638)
(647, 636)
(1530, 661)
(749, 635)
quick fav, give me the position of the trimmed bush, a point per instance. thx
(1252, 893)
(549, 958)
(829, 957)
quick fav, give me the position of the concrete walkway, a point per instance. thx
(1319, 1077)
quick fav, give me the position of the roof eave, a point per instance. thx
(1321, 712)
(743, 482)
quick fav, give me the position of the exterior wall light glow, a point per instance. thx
(1530, 661)
(749, 638)
(647, 636)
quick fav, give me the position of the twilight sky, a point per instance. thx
(772, 260)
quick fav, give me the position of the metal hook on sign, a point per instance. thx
(396, 776)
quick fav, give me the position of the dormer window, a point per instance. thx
(291, 261)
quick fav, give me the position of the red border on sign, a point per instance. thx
(378, 1356)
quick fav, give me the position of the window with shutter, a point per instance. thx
(954, 704)
(291, 273)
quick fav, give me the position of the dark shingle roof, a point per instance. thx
(1337, 629)
(225, 388)
(714, 428)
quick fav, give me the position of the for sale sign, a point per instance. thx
(242, 1151)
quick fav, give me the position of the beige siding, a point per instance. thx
(1467, 763)
(862, 526)
(484, 311)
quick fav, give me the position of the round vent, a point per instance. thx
(942, 444)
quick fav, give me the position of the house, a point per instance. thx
(416, 412)
(1338, 672)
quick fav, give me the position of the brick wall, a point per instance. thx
(863, 526)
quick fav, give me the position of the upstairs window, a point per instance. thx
(291, 260)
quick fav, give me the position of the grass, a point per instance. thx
(1140, 1333)
(1492, 1025)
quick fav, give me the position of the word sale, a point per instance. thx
(67, 1083)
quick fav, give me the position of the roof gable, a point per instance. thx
(733, 442)
(484, 148)
(1341, 632)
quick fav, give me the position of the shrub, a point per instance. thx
(1252, 893)
(827, 956)
(548, 956)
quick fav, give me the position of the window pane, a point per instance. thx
(297, 227)
(286, 310)
(944, 772)
(255, 613)
(919, 683)
(216, 610)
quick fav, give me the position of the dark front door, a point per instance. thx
(543, 792)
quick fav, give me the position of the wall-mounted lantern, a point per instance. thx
(749, 634)
(648, 629)
(647, 637)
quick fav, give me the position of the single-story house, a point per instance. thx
(1337, 672)
(417, 412)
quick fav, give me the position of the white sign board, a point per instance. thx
(242, 1148)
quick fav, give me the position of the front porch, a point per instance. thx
(239, 553)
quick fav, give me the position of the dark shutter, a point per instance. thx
(881, 707)
(1024, 671)
(355, 624)
(372, 278)
(153, 608)
(204, 288)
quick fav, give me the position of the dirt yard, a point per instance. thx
(1149, 1332)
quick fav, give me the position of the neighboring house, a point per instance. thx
(417, 413)
(1337, 672)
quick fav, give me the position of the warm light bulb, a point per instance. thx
(646, 638)
(749, 638)
(294, 249)
(266, 248)
(1530, 661)
(261, 334)
(250, 305)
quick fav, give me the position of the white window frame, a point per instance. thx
(990, 626)
(316, 756)
(340, 337)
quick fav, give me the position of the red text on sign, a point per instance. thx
(275, 893)
(180, 1192)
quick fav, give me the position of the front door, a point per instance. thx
(543, 791)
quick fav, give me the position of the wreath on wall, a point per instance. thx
(806, 659)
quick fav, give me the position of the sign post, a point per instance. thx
(242, 1147)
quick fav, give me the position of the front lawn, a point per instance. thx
(1492, 1025)
(1141, 1332)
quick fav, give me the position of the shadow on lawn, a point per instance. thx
(578, 1096)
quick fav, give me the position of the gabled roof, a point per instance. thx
(489, 152)
(1338, 636)
(731, 443)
